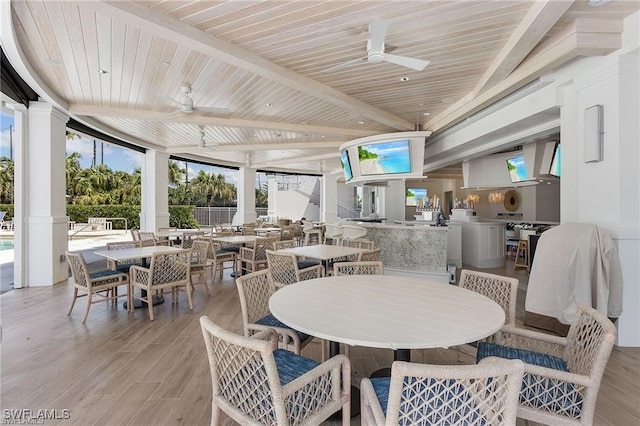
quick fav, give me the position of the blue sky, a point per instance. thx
(114, 156)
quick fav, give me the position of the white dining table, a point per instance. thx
(382, 311)
(323, 252)
(142, 253)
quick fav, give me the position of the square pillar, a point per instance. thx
(47, 223)
(329, 198)
(154, 212)
(246, 196)
(272, 209)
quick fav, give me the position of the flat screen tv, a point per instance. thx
(382, 158)
(346, 165)
(555, 162)
(414, 195)
(517, 169)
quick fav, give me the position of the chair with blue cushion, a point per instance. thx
(285, 268)
(423, 394)
(562, 374)
(103, 284)
(254, 382)
(254, 291)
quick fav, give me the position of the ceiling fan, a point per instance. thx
(185, 105)
(378, 29)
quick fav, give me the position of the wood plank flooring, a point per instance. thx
(122, 369)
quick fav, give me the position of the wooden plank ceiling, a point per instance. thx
(260, 76)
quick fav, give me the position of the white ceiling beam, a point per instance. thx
(262, 147)
(581, 38)
(293, 160)
(540, 18)
(148, 20)
(100, 111)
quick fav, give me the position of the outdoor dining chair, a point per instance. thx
(200, 262)
(358, 268)
(254, 291)
(166, 270)
(285, 268)
(123, 265)
(562, 374)
(254, 382)
(102, 284)
(423, 394)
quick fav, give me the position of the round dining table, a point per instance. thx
(383, 311)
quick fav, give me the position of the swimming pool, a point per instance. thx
(6, 244)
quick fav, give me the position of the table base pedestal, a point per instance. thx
(398, 355)
(137, 303)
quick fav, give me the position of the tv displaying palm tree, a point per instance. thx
(517, 169)
(385, 158)
(346, 165)
(414, 195)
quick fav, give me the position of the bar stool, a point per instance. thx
(523, 248)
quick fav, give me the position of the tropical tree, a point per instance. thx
(175, 173)
(210, 184)
(262, 196)
(6, 180)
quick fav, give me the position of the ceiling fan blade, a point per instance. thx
(345, 65)
(212, 110)
(413, 63)
(377, 34)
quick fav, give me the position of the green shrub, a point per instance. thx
(182, 217)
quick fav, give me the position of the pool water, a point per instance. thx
(6, 245)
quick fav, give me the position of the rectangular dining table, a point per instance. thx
(142, 253)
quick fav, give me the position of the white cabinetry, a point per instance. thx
(483, 244)
(454, 244)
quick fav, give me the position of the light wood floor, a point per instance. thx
(122, 369)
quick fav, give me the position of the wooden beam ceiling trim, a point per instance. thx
(229, 53)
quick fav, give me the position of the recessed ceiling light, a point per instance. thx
(404, 78)
(269, 104)
(102, 71)
(426, 113)
(421, 104)
(360, 122)
(165, 63)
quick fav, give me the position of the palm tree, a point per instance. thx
(6, 180)
(175, 173)
(210, 184)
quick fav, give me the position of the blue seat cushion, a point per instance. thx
(529, 357)
(555, 395)
(271, 321)
(104, 274)
(424, 406)
(302, 264)
(291, 366)
(229, 249)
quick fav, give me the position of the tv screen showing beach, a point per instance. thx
(517, 169)
(555, 163)
(346, 165)
(384, 158)
(414, 195)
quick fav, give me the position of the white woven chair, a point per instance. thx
(256, 383)
(502, 290)
(423, 394)
(562, 374)
(353, 232)
(283, 244)
(285, 268)
(219, 257)
(333, 232)
(359, 243)
(123, 265)
(200, 261)
(166, 270)
(312, 235)
(358, 268)
(254, 291)
(373, 255)
(254, 258)
(94, 284)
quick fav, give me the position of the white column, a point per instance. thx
(329, 198)
(47, 223)
(272, 191)
(154, 212)
(20, 200)
(607, 192)
(392, 201)
(246, 196)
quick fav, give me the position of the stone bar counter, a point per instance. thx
(410, 250)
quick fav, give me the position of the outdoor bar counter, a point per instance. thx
(410, 250)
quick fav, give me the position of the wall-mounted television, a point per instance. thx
(383, 158)
(517, 169)
(556, 162)
(414, 195)
(346, 165)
